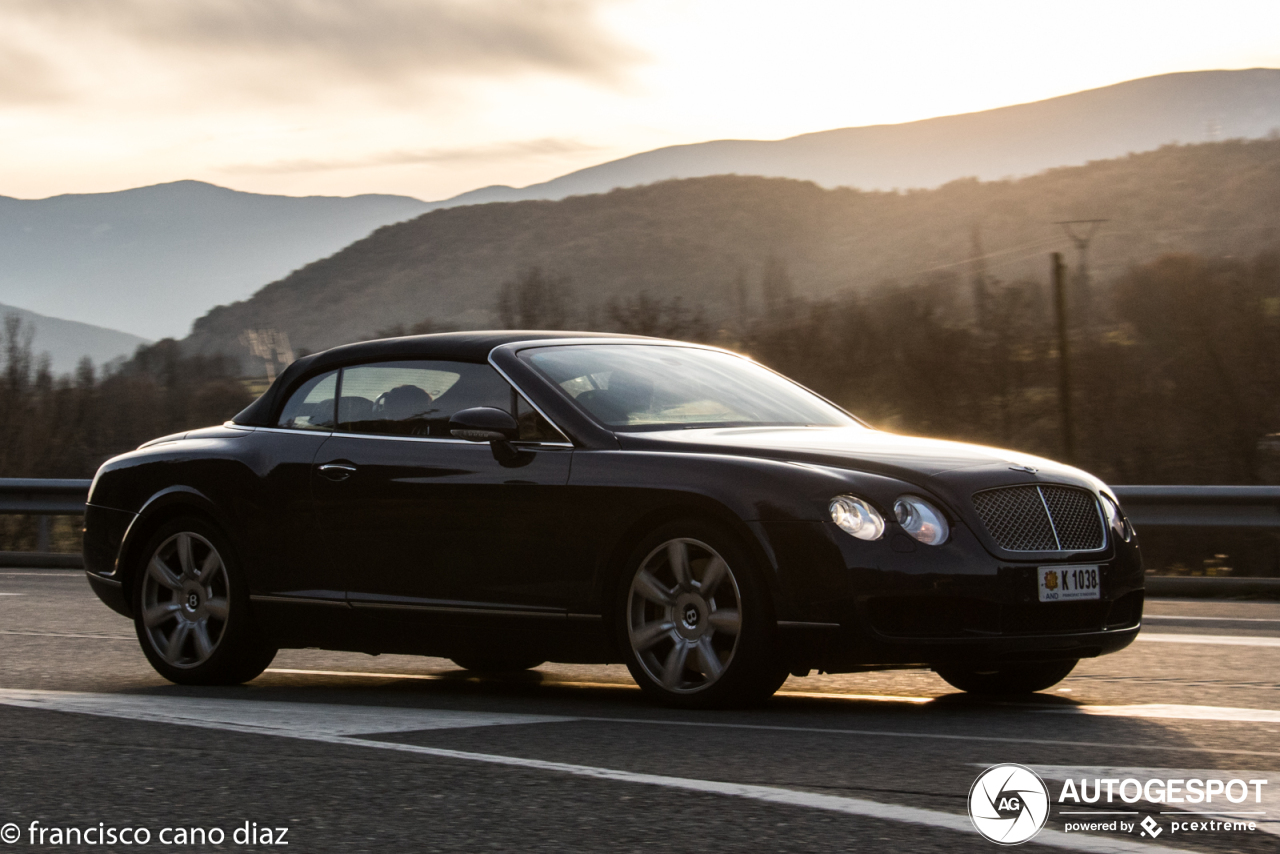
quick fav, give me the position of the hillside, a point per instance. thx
(66, 341)
(696, 237)
(1138, 115)
(150, 259)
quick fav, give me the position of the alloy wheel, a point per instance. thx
(185, 600)
(684, 615)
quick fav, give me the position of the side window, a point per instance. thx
(311, 407)
(416, 398)
(533, 427)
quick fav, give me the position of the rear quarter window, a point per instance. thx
(312, 406)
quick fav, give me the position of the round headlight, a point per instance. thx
(856, 517)
(921, 520)
(1119, 524)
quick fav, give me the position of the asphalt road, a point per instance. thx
(357, 753)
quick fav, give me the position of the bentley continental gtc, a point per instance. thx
(504, 499)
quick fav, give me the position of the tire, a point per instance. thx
(496, 665)
(1008, 679)
(191, 607)
(693, 620)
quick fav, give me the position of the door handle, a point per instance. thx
(337, 471)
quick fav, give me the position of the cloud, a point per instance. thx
(501, 151)
(295, 46)
(27, 78)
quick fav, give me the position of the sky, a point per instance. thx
(431, 98)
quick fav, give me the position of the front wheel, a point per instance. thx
(694, 622)
(1007, 679)
(191, 608)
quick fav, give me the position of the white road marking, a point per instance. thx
(300, 721)
(267, 717)
(1215, 619)
(1171, 711)
(1210, 640)
(48, 573)
(133, 638)
(1153, 710)
(1268, 805)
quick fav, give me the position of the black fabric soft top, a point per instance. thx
(454, 346)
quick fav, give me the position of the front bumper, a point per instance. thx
(111, 592)
(104, 534)
(846, 605)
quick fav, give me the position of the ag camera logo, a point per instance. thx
(1008, 804)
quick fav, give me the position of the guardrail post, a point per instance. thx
(42, 534)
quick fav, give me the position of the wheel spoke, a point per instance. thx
(184, 555)
(217, 607)
(709, 660)
(650, 634)
(673, 667)
(678, 557)
(650, 588)
(204, 646)
(153, 617)
(177, 640)
(163, 575)
(211, 564)
(711, 577)
(727, 620)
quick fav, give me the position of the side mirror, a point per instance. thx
(484, 424)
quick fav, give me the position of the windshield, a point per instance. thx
(647, 387)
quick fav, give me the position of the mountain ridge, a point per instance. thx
(67, 341)
(1012, 141)
(701, 239)
(137, 259)
(150, 260)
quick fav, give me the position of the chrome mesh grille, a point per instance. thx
(1015, 518)
(1075, 518)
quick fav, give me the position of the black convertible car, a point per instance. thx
(508, 498)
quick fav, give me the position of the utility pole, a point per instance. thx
(1081, 234)
(981, 309)
(1064, 360)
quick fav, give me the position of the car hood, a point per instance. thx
(908, 458)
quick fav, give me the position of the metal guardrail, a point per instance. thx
(1201, 506)
(1146, 507)
(37, 496)
(42, 497)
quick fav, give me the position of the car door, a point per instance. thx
(298, 593)
(422, 522)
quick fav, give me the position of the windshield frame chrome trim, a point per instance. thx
(567, 443)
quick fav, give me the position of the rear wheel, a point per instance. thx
(191, 608)
(1007, 679)
(694, 622)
